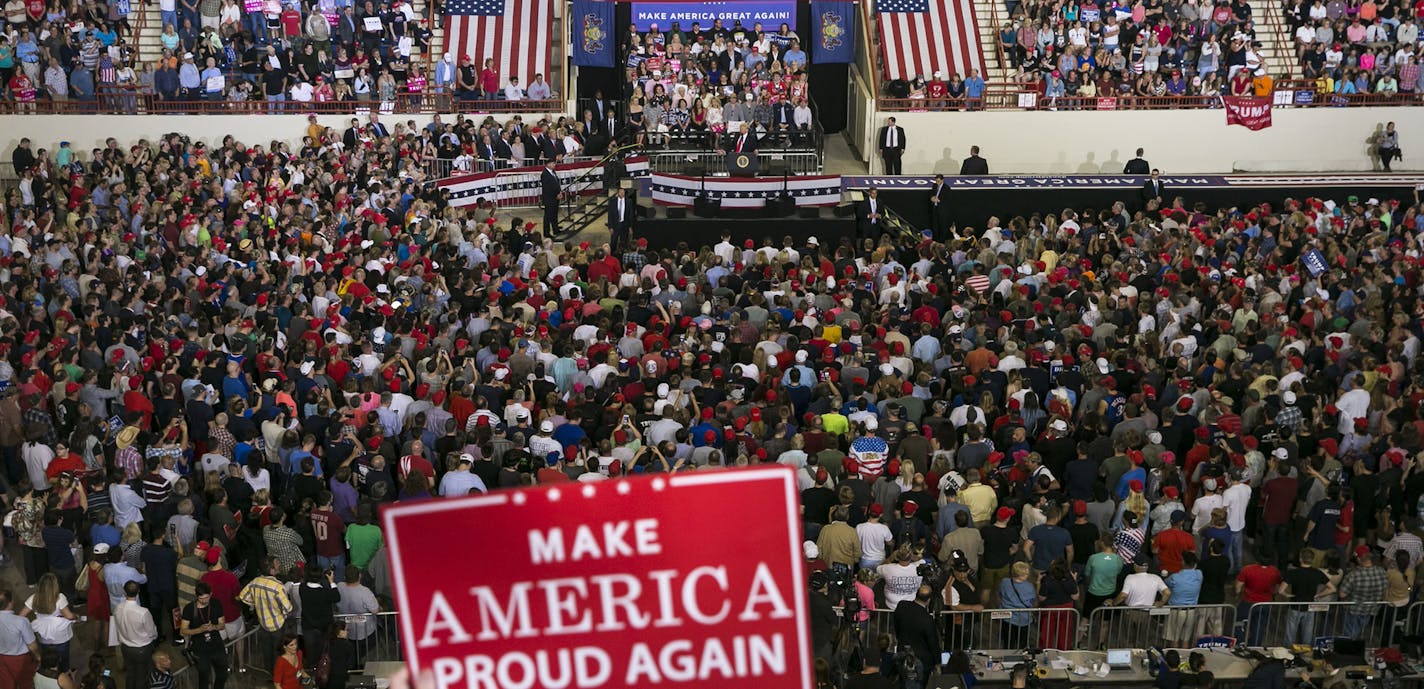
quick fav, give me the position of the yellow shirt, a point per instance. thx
(981, 501)
(832, 333)
(835, 424)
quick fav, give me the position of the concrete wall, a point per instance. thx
(1178, 141)
(88, 131)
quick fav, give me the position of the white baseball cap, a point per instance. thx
(546, 427)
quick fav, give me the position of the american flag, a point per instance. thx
(514, 32)
(920, 37)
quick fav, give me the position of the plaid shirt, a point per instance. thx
(635, 260)
(1289, 417)
(34, 417)
(267, 597)
(1364, 586)
(222, 441)
(130, 461)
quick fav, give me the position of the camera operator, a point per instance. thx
(865, 673)
(918, 636)
(823, 616)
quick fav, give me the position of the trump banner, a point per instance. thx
(639, 582)
(833, 32)
(592, 25)
(1248, 111)
(771, 14)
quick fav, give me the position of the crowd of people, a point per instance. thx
(696, 86)
(219, 360)
(1357, 47)
(84, 55)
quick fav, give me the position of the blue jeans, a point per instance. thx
(63, 651)
(1233, 553)
(256, 22)
(1253, 618)
(1356, 624)
(274, 103)
(335, 564)
(1300, 626)
(170, 18)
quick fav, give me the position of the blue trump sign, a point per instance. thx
(1314, 262)
(771, 15)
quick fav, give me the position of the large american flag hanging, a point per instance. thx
(516, 33)
(920, 37)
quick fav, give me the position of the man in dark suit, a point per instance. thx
(974, 165)
(868, 215)
(377, 129)
(915, 627)
(744, 141)
(550, 190)
(783, 120)
(602, 107)
(939, 207)
(346, 27)
(544, 148)
(1136, 166)
(892, 146)
(352, 134)
(1152, 189)
(620, 219)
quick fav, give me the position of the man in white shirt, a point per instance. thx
(512, 90)
(302, 92)
(135, 631)
(1352, 405)
(874, 537)
(1210, 500)
(1236, 499)
(1142, 589)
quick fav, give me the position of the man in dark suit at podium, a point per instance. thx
(742, 143)
(549, 191)
(868, 215)
(620, 219)
(892, 146)
(939, 207)
(974, 165)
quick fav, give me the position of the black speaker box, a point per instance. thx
(676, 213)
(704, 207)
(809, 213)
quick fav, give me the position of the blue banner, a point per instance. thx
(1314, 262)
(770, 14)
(593, 33)
(833, 32)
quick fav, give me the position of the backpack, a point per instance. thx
(322, 672)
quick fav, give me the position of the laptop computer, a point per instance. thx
(1119, 659)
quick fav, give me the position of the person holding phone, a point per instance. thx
(202, 625)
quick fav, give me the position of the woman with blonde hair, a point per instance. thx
(53, 620)
(1017, 592)
(131, 544)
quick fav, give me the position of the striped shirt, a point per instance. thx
(190, 570)
(155, 488)
(268, 598)
(130, 461)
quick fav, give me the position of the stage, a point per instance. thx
(693, 232)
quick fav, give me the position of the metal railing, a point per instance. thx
(1011, 629)
(376, 635)
(240, 655)
(1025, 99)
(120, 102)
(689, 162)
(1178, 626)
(1283, 624)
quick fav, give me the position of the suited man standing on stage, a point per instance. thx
(892, 146)
(550, 191)
(745, 141)
(974, 165)
(939, 207)
(620, 219)
(1136, 166)
(1152, 189)
(867, 216)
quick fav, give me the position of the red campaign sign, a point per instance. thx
(1248, 111)
(649, 581)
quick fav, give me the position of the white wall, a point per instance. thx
(1178, 141)
(85, 132)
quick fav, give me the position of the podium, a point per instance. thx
(742, 164)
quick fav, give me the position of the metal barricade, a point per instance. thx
(1175, 626)
(376, 635)
(1283, 624)
(1414, 621)
(1011, 629)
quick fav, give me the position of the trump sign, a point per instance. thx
(650, 581)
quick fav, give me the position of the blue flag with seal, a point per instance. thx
(593, 33)
(833, 32)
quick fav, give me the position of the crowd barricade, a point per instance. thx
(1003, 629)
(376, 635)
(1177, 626)
(1414, 620)
(714, 163)
(1284, 624)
